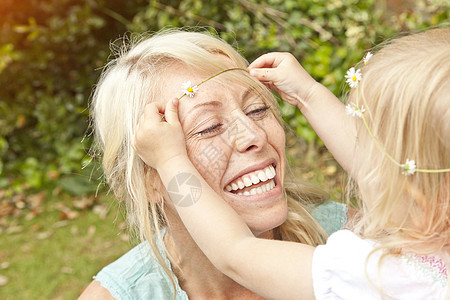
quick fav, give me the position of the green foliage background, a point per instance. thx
(52, 51)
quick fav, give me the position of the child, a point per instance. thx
(398, 115)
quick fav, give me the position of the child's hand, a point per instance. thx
(159, 139)
(282, 73)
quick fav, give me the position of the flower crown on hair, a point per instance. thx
(353, 77)
(190, 90)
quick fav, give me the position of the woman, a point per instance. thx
(232, 128)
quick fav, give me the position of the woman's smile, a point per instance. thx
(255, 183)
(251, 179)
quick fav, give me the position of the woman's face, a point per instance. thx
(236, 144)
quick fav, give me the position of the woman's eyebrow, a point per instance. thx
(208, 103)
(194, 115)
(247, 93)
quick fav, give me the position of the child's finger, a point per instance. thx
(263, 74)
(264, 61)
(148, 120)
(171, 111)
(152, 113)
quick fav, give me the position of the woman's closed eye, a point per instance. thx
(210, 130)
(259, 112)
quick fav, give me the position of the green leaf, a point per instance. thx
(78, 185)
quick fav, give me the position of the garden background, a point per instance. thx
(58, 225)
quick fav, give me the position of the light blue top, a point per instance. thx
(137, 274)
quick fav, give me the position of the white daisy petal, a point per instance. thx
(354, 111)
(353, 77)
(185, 85)
(409, 167)
(188, 89)
(349, 110)
(367, 57)
(360, 111)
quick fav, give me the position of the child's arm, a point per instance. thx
(326, 114)
(273, 269)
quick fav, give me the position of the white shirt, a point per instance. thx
(339, 272)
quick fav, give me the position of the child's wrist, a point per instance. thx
(173, 162)
(174, 166)
(309, 96)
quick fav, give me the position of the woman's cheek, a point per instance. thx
(210, 158)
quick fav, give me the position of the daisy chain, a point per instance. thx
(353, 77)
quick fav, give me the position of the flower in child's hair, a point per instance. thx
(354, 111)
(409, 167)
(189, 89)
(367, 57)
(353, 77)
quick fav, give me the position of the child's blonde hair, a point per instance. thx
(405, 89)
(137, 77)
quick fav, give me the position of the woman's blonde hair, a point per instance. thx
(134, 78)
(405, 89)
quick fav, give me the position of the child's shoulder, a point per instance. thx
(349, 265)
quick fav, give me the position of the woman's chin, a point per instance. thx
(265, 229)
(263, 220)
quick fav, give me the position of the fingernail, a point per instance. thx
(252, 72)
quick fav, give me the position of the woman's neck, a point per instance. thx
(196, 275)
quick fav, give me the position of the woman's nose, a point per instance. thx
(246, 134)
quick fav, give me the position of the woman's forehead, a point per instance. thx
(228, 88)
(218, 87)
(214, 96)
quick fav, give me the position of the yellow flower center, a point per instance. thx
(190, 90)
(354, 78)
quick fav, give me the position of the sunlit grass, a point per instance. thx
(54, 259)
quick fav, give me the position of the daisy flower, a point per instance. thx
(354, 111)
(353, 77)
(189, 89)
(367, 57)
(409, 167)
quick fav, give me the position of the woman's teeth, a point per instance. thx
(253, 178)
(259, 190)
